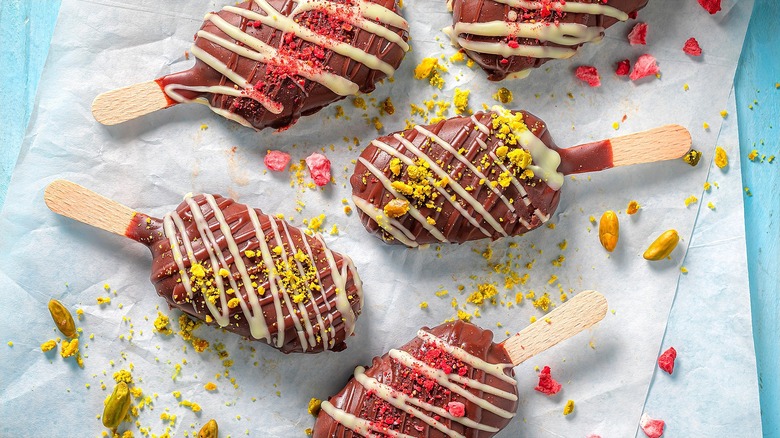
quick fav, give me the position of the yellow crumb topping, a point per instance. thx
(721, 159)
(49, 345)
(314, 406)
(569, 408)
(691, 200)
(162, 324)
(396, 208)
(211, 386)
(461, 100)
(430, 68)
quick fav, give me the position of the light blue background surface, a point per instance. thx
(25, 31)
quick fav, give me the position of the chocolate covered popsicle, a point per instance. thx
(449, 381)
(235, 267)
(508, 38)
(491, 175)
(265, 63)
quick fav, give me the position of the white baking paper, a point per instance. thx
(152, 162)
(712, 390)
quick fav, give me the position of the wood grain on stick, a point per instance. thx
(667, 142)
(123, 104)
(570, 318)
(76, 202)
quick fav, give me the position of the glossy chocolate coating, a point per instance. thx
(298, 96)
(169, 283)
(482, 11)
(460, 132)
(356, 400)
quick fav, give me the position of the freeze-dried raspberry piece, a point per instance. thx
(711, 6)
(651, 427)
(692, 47)
(644, 66)
(666, 360)
(588, 74)
(276, 160)
(638, 35)
(456, 409)
(547, 385)
(319, 167)
(623, 67)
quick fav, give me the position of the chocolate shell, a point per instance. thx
(507, 38)
(253, 274)
(265, 63)
(490, 175)
(451, 380)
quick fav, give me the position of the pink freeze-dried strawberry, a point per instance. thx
(666, 360)
(547, 385)
(651, 427)
(623, 67)
(692, 47)
(589, 75)
(638, 35)
(456, 409)
(711, 6)
(644, 66)
(276, 160)
(319, 167)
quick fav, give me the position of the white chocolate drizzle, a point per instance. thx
(570, 35)
(175, 229)
(413, 211)
(545, 162)
(425, 411)
(362, 15)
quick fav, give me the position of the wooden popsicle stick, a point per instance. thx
(575, 315)
(123, 104)
(667, 142)
(76, 202)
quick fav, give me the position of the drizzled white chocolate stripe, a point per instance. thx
(455, 204)
(175, 229)
(458, 156)
(564, 34)
(413, 211)
(409, 404)
(569, 6)
(361, 15)
(454, 185)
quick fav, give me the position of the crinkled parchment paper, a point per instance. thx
(150, 163)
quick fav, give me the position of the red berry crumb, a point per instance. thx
(276, 160)
(547, 385)
(692, 47)
(623, 67)
(638, 35)
(319, 167)
(651, 427)
(456, 409)
(666, 360)
(588, 74)
(644, 66)
(711, 6)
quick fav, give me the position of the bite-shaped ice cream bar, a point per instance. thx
(265, 63)
(253, 274)
(450, 381)
(491, 175)
(507, 38)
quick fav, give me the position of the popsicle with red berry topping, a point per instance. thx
(265, 63)
(450, 381)
(508, 38)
